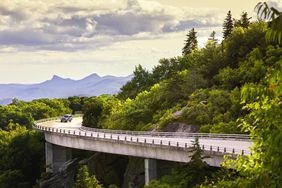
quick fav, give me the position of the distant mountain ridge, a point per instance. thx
(57, 87)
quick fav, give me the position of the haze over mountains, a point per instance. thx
(57, 87)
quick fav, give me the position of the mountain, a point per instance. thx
(57, 87)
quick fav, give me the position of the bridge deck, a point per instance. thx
(224, 145)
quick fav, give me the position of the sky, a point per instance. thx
(75, 38)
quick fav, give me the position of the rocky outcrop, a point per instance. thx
(62, 179)
(175, 126)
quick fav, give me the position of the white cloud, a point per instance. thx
(75, 38)
(75, 25)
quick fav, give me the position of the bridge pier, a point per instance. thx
(56, 156)
(150, 170)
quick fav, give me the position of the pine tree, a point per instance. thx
(212, 38)
(227, 25)
(244, 21)
(191, 43)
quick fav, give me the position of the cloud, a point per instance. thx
(58, 26)
(276, 3)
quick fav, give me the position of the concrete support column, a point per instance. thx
(150, 170)
(56, 156)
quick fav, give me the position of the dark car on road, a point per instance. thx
(66, 118)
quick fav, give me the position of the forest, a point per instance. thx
(229, 86)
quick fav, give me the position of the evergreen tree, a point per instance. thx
(227, 25)
(244, 21)
(84, 180)
(191, 42)
(212, 38)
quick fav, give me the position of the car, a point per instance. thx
(66, 118)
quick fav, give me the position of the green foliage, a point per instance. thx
(141, 81)
(244, 21)
(21, 156)
(12, 178)
(242, 41)
(274, 33)
(222, 109)
(24, 113)
(76, 103)
(227, 25)
(263, 122)
(96, 110)
(187, 175)
(191, 43)
(84, 180)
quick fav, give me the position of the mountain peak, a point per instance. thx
(93, 76)
(56, 77)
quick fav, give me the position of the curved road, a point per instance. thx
(225, 145)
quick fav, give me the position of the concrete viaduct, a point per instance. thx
(61, 137)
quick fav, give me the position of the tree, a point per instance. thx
(84, 180)
(187, 175)
(212, 38)
(92, 111)
(142, 80)
(191, 42)
(273, 15)
(227, 25)
(244, 21)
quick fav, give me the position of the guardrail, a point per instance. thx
(170, 134)
(158, 134)
(134, 137)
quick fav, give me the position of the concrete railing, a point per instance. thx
(170, 134)
(137, 137)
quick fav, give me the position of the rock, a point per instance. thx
(62, 179)
(180, 127)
